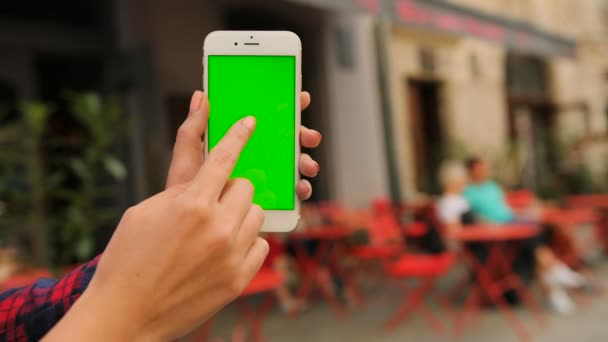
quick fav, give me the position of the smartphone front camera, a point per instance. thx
(235, 44)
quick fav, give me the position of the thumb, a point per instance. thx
(188, 151)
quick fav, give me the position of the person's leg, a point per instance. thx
(556, 271)
(286, 299)
(325, 280)
(546, 262)
(556, 277)
(551, 265)
(525, 264)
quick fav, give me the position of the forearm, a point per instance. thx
(97, 318)
(453, 228)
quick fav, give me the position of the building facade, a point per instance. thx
(518, 82)
(398, 85)
(339, 68)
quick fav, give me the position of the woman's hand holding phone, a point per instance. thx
(180, 256)
(188, 150)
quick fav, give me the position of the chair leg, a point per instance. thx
(403, 312)
(470, 305)
(531, 303)
(585, 299)
(303, 291)
(460, 288)
(510, 316)
(203, 334)
(239, 334)
(514, 282)
(350, 283)
(333, 301)
(430, 318)
(411, 303)
(256, 318)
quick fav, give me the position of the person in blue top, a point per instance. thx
(488, 204)
(485, 196)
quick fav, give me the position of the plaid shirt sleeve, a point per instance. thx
(28, 313)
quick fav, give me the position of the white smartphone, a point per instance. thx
(258, 73)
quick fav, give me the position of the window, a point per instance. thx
(427, 62)
(527, 76)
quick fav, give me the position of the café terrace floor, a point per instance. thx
(319, 324)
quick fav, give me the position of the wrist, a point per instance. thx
(101, 316)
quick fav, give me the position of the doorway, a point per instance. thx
(532, 116)
(533, 128)
(426, 129)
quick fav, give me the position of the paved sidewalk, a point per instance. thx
(589, 324)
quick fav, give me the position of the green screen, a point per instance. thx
(264, 87)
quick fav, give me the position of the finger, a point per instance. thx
(308, 167)
(304, 100)
(310, 138)
(237, 199)
(187, 153)
(304, 189)
(216, 171)
(254, 259)
(250, 228)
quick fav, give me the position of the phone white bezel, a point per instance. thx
(264, 43)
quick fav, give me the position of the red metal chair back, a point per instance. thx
(520, 199)
(384, 227)
(333, 212)
(587, 201)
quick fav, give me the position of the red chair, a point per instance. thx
(562, 244)
(385, 241)
(327, 228)
(265, 282)
(520, 199)
(384, 232)
(598, 203)
(388, 248)
(588, 201)
(332, 212)
(564, 220)
(309, 268)
(415, 230)
(427, 268)
(494, 274)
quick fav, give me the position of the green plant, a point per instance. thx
(54, 200)
(97, 169)
(580, 181)
(24, 184)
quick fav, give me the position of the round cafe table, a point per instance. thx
(320, 233)
(495, 275)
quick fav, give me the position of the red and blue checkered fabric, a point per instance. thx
(29, 313)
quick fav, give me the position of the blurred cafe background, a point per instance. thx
(92, 93)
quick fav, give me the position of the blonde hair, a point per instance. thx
(452, 171)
